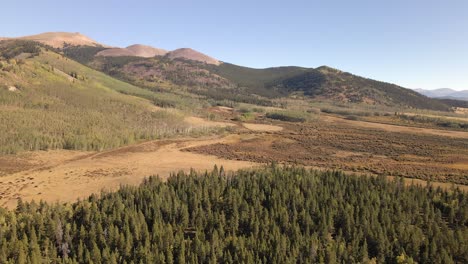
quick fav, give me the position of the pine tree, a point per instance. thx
(96, 254)
(21, 254)
(35, 253)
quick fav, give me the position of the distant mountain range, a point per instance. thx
(62, 40)
(444, 93)
(144, 51)
(189, 70)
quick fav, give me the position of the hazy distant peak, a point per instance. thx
(444, 93)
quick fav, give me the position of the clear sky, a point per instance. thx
(414, 43)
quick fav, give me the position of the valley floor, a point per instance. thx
(328, 143)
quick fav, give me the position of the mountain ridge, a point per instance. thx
(60, 39)
(203, 75)
(136, 50)
(444, 93)
(191, 54)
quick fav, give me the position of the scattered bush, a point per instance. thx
(247, 116)
(258, 110)
(352, 117)
(437, 121)
(11, 49)
(346, 112)
(287, 116)
(313, 111)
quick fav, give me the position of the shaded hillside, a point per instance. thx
(325, 83)
(48, 101)
(251, 77)
(348, 87)
(454, 102)
(82, 54)
(310, 82)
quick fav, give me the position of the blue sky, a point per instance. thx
(414, 43)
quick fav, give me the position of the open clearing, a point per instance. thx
(198, 122)
(262, 127)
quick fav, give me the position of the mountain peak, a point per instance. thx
(327, 69)
(146, 51)
(139, 50)
(59, 39)
(136, 50)
(191, 54)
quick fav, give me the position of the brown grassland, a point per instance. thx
(327, 142)
(336, 143)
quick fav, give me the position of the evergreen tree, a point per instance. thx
(270, 215)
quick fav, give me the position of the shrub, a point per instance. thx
(352, 117)
(287, 116)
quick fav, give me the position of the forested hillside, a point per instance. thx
(357, 88)
(225, 79)
(271, 215)
(48, 101)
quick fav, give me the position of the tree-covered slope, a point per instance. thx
(214, 80)
(325, 83)
(275, 215)
(48, 101)
(360, 89)
(256, 79)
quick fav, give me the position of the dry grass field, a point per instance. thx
(62, 175)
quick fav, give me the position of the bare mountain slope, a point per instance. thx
(59, 39)
(190, 54)
(143, 51)
(136, 50)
